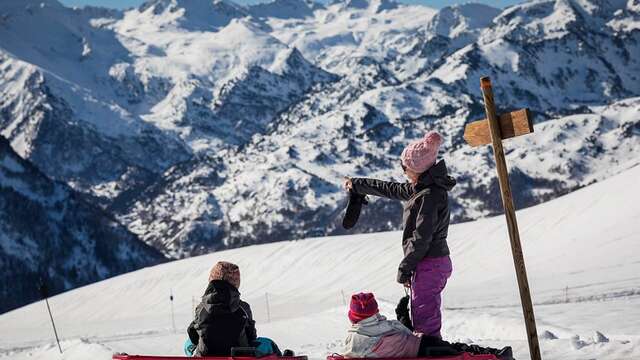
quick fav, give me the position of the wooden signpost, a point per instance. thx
(493, 130)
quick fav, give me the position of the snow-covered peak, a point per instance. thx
(346, 29)
(452, 21)
(182, 55)
(626, 20)
(193, 15)
(555, 19)
(375, 6)
(541, 17)
(549, 19)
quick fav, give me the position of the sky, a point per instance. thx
(431, 3)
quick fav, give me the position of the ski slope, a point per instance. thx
(582, 253)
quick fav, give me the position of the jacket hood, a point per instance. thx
(376, 325)
(221, 298)
(438, 175)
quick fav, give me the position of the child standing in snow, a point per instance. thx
(426, 265)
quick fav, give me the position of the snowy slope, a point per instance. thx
(204, 125)
(580, 250)
(49, 231)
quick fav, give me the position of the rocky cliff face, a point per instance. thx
(49, 231)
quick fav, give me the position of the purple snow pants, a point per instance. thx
(427, 283)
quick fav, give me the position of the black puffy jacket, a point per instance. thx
(425, 218)
(222, 321)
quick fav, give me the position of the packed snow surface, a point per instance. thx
(581, 252)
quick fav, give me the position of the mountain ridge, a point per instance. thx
(259, 117)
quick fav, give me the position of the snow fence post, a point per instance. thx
(266, 298)
(173, 319)
(45, 295)
(506, 126)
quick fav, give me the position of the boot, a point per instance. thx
(402, 312)
(506, 353)
(434, 346)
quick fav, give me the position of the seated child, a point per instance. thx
(222, 320)
(372, 335)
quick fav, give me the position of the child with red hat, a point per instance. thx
(372, 335)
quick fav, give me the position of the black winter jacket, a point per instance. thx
(222, 321)
(425, 218)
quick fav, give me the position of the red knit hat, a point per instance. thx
(363, 305)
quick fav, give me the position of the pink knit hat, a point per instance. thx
(363, 305)
(421, 154)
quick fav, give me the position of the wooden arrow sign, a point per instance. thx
(512, 124)
(492, 131)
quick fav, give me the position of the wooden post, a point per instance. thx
(510, 213)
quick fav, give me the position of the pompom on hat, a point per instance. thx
(362, 306)
(420, 155)
(226, 271)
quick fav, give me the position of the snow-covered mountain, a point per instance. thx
(49, 232)
(206, 124)
(580, 251)
(61, 76)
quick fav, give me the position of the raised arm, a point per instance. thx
(388, 189)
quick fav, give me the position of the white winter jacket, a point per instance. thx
(378, 337)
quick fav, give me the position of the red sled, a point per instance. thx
(462, 356)
(153, 357)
